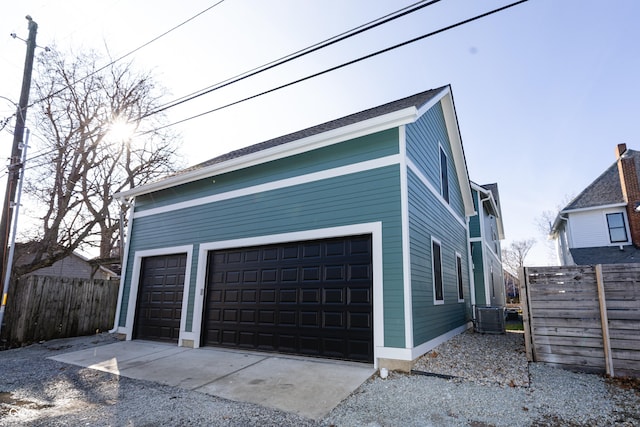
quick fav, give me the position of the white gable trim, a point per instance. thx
(455, 139)
(425, 181)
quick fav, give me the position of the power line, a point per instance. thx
(290, 57)
(345, 64)
(128, 54)
(298, 54)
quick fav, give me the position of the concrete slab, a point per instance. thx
(304, 386)
(307, 387)
(114, 357)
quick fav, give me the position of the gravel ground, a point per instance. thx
(472, 380)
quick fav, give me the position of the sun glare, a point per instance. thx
(120, 130)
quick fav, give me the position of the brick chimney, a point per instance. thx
(630, 190)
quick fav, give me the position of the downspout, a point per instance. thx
(472, 284)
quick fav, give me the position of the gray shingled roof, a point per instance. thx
(605, 255)
(417, 100)
(606, 189)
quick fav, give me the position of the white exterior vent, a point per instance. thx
(490, 320)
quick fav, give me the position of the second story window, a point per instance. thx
(444, 175)
(617, 229)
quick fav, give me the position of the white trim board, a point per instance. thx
(275, 185)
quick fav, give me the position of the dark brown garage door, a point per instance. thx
(159, 303)
(311, 298)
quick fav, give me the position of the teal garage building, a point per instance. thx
(347, 240)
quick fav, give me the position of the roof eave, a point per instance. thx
(334, 136)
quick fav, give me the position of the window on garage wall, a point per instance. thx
(459, 276)
(444, 175)
(436, 263)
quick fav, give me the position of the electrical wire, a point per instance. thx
(290, 57)
(371, 55)
(127, 54)
(337, 67)
(298, 54)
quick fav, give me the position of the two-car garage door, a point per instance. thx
(310, 298)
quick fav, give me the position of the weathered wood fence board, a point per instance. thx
(583, 317)
(43, 308)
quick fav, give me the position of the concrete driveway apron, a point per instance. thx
(305, 386)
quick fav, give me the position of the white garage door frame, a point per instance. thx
(135, 284)
(373, 228)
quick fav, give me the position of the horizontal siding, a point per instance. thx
(474, 221)
(361, 149)
(355, 198)
(478, 273)
(424, 138)
(429, 218)
(590, 228)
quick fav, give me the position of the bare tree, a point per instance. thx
(81, 161)
(514, 256)
(544, 224)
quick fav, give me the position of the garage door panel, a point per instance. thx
(309, 298)
(159, 301)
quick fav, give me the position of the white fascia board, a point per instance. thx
(494, 206)
(455, 139)
(594, 208)
(313, 142)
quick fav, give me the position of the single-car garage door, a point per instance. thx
(311, 298)
(159, 303)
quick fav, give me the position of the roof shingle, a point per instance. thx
(417, 101)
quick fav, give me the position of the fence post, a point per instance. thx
(604, 319)
(524, 303)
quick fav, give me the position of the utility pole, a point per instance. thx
(15, 163)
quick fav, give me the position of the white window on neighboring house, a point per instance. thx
(617, 229)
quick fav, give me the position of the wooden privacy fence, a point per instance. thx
(44, 308)
(583, 317)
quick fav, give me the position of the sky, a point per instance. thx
(543, 91)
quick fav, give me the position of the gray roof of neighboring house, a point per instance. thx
(606, 189)
(417, 100)
(605, 255)
(493, 188)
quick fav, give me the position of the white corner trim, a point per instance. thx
(276, 185)
(406, 244)
(123, 273)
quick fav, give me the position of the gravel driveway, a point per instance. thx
(472, 380)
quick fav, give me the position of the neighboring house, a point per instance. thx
(512, 284)
(602, 224)
(345, 240)
(485, 233)
(74, 266)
